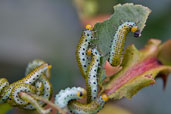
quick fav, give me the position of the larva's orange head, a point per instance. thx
(81, 93)
(49, 66)
(105, 97)
(89, 52)
(89, 27)
(134, 28)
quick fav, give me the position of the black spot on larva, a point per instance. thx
(82, 53)
(85, 40)
(94, 90)
(87, 34)
(94, 82)
(83, 48)
(81, 94)
(85, 66)
(83, 59)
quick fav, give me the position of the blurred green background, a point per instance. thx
(51, 29)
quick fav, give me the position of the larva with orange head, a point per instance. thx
(91, 108)
(83, 59)
(119, 41)
(92, 78)
(36, 63)
(64, 96)
(42, 84)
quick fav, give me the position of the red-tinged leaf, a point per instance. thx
(140, 69)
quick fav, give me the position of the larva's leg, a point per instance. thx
(34, 102)
(64, 96)
(119, 41)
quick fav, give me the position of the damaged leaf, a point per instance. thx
(140, 69)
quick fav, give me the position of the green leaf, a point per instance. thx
(107, 29)
(4, 108)
(125, 12)
(139, 68)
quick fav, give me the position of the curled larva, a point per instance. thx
(3, 85)
(42, 84)
(35, 82)
(29, 79)
(64, 96)
(119, 41)
(91, 108)
(83, 59)
(46, 93)
(22, 87)
(36, 73)
(34, 102)
(34, 64)
(92, 72)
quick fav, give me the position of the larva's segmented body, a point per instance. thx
(34, 64)
(44, 87)
(91, 108)
(46, 93)
(35, 82)
(39, 88)
(36, 74)
(81, 51)
(92, 73)
(22, 87)
(64, 96)
(29, 79)
(119, 41)
(31, 100)
(3, 85)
